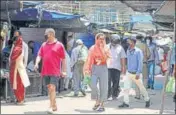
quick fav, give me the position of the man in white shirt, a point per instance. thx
(116, 65)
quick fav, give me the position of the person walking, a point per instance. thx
(96, 67)
(78, 58)
(134, 73)
(152, 61)
(19, 79)
(116, 66)
(52, 53)
(146, 53)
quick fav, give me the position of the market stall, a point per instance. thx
(33, 21)
(166, 14)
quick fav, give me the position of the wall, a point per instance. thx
(37, 34)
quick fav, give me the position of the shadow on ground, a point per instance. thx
(85, 111)
(169, 105)
(36, 112)
(37, 98)
(71, 94)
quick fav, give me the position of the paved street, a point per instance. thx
(83, 105)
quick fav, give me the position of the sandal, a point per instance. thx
(101, 109)
(95, 107)
(20, 103)
(54, 109)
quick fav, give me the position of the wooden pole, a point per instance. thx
(167, 74)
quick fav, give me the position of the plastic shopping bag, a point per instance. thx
(164, 66)
(173, 88)
(87, 80)
(169, 87)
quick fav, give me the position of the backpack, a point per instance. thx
(82, 55)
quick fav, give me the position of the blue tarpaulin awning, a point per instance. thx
(141, 18)
(32, 3)
(33, 14)
(46, 18)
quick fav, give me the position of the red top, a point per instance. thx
(51, 55)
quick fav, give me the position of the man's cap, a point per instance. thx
(79, 41)
(132, 38)
(49, 30)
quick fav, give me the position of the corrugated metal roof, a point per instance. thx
(11, 5)
(167, 8)
(143, 6)
(143, 26)
(163, 18)
(166, 12)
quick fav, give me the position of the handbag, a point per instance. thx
(87, 80)
(164, 66)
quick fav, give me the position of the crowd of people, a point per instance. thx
(105, 64)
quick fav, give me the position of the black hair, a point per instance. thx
(139, 37)
(30, 47)
(148, 37)
(10, 42)
(19, 32)
(30, 42)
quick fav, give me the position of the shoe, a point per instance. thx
(100, 109)
(20, 103)
(124, 105)
(148, 87)
(50, 111)
(65, 89)
(138, 98)
(83, 92)
(114, 98)
(110, 99)
(147, 104)
(75, 95)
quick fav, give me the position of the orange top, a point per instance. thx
(97, 55)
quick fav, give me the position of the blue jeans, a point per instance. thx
(151, 73)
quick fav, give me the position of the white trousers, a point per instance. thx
(129, 79)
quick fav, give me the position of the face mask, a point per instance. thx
(14, 38)
(46, 37)
(114, 45)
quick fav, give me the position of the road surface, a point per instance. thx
(67, 104)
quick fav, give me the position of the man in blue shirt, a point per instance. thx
(35, 46)
(134, 73)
